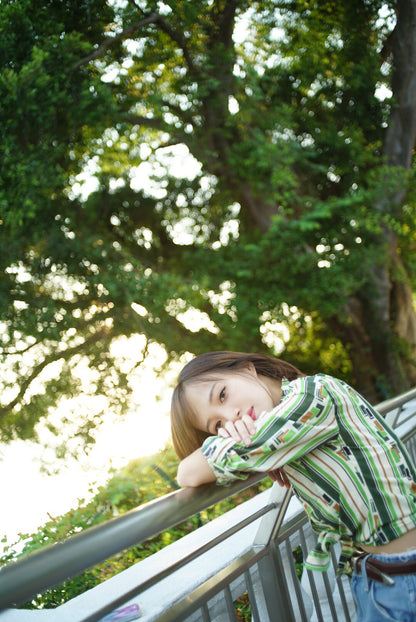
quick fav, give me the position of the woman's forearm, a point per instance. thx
(194, 470)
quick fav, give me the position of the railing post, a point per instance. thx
(275, 589)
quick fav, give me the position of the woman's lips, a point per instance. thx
(251, 413)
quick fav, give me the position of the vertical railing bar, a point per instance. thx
(252, 596)
(280, 517)
(411, 447)
(275, 559)
(230, 603)
(312, 582)
(343, 599)
(341, 589)
(396, 416)
(295, 580)
(330, 597)
(315, 595)
(205, 613)
(401, 409)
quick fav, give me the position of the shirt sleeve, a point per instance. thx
(303, 420)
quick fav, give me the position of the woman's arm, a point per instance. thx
(301, 422)
(194, 470)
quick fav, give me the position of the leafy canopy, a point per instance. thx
(234, 152)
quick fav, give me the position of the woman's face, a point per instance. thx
(228, 395)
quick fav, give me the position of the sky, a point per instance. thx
(29, 496)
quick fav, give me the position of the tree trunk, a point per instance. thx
(381, 328)
(381, 318)
(354, 335)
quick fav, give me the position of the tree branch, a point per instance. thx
(136, 119)
(5, 351)
(153, 18)
(125, 34)
(179, 39)
(103, 333)
(176, 109)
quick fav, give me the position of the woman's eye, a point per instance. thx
(217, 426)
(222, 395)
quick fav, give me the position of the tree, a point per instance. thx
(294, 208)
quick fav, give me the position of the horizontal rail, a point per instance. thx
(396, 402)
(56, 563)
(197, 552)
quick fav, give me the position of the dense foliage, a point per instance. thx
(249, 160)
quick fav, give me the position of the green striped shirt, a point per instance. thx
(350, 470)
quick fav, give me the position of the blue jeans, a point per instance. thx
(377, 602)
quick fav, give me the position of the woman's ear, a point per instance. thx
(250, 367)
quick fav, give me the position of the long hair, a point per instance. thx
(185, 437)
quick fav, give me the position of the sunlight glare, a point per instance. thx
(30, 497)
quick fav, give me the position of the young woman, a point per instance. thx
(235, 413)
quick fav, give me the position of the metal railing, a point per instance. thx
(249, 550)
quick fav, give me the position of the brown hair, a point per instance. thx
(185, 437)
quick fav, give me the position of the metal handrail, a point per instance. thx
(54, 564)
(395, 402)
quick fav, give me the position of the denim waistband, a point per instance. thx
(406, 556)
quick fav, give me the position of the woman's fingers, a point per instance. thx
(240, 430)
(279, 476)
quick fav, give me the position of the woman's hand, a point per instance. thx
(280, 477)
(241, 430)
